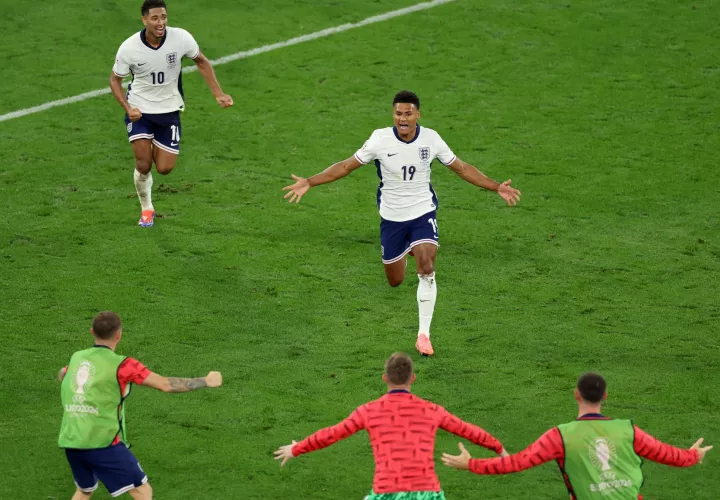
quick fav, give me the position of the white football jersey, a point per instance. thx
(156, 86)
(405, 192)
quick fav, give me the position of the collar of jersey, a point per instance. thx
(147, 44)
(398, 391)
(103, 346)
(593, 416)
(417, 134)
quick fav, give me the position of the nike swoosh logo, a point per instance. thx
(393, 154)
(142, 64)
(174, 143)
(424, 301)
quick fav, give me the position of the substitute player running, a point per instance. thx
(599, 457)
(155, 97)
(402, 430)
(95, 385)
(406, 200)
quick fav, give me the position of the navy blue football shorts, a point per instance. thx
(398, 238)
(162, 129)
(115, 466)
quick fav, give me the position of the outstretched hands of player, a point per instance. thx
(296, 191)
(700, 449)
(507, 193)
(284, 453)
(225, 101)
(461, 461)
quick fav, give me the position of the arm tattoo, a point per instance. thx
(186, 384)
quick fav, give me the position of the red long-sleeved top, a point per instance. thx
(402, 429)
(550, 447)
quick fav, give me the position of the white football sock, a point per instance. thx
(426, 295)
(143, 187)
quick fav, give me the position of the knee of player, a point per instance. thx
(143, 492)
(142, 165)
(163, 170)
(424, 268)
(396, 282)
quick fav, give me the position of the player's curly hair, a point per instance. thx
(152, 4)
(407, 97)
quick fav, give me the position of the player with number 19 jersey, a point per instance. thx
(403, 155)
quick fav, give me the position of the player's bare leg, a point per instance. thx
(395, 272)
(142, 148)
(81, 495)
(164, 160)
(143, 492)
(425, 254)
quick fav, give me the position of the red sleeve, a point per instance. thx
(132, 371)
(652, 449)
(471, 432)
(548, 447)
(329, 435)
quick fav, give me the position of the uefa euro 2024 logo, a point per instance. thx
(82, 380)
(602, 453)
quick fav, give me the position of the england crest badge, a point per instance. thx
(424, 154)
(171, 59)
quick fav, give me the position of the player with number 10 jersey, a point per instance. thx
(406, 200)
(154, 97)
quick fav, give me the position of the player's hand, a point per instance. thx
(700, 449)
(225, 101)
(213, 379)
(296, 191)
(461, 461)
(61, 373)
(507, 193)
(284, 453)
(134, 114)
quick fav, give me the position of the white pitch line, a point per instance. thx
(241, 55)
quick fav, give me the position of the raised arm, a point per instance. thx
(472, 433)
(334, 172)
(548, 447)
(208, 74)
(653, 449)
(174, 384)
(472, 175)
(322, 438)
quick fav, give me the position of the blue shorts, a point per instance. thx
(115, 466)
(163, 130)
(398, 238)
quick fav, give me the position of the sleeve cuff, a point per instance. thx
(448, 163)
(118, 74)
(360, 159)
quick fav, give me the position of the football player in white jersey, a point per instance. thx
(406, 200)
(154, 97)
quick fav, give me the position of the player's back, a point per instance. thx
(402, 429)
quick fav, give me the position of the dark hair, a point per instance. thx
(106, 324)
(407, 97)
(152, 4)
(399, 368)
(592, 387)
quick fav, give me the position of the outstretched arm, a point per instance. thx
(174, 384)
(334, 172)
(322, 438)
(548, 447)
(208, 74)
(472, 175)
(472, 433)
(653, 449)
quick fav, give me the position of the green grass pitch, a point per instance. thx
(604, 113)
